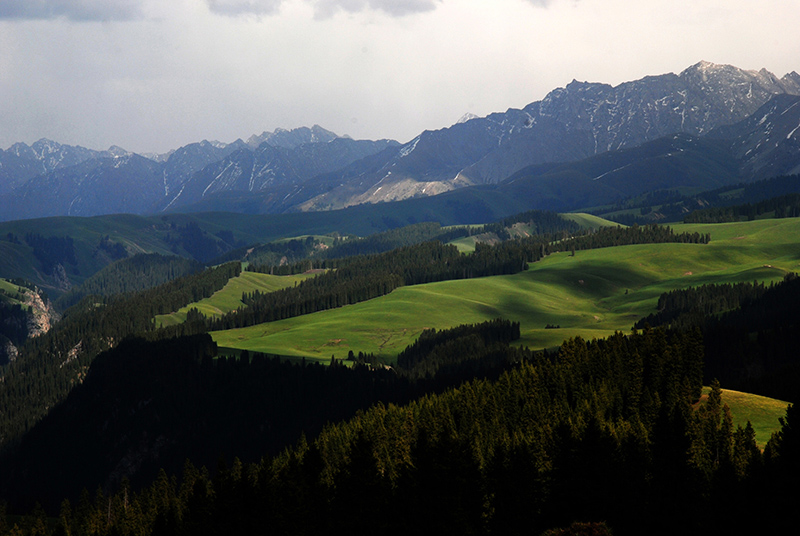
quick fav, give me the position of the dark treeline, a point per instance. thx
(50, 365)
(684, 308)
(14, 325)
(543, 222)
(356, 279)
(201, 245)
(273, 253)
(140, 272)
(13, 328)
(113, 250)
(443, 352)
(603, 431)
(13, 316)
(669, 205)
(393, 239)
(624, 236)
(785, 206)
(282, 255)
(751, 333)
(52, 251)
(162, 402)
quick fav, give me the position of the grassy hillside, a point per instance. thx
(522, 230)
(136, 234)
(591, 294)
(229, 298)
(589, 220)
(9, 292)
(762, 412)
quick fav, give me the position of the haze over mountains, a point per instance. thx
(582, 145)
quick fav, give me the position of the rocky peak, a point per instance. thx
(43, 316)
(290, 139)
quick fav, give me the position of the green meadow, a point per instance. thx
(589, 220)
(229, 298)
(762, 412)
(591, 294)
(8, 292)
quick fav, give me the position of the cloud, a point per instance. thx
(76, 10)
(324, 9)
(244, 7)
(395, 8)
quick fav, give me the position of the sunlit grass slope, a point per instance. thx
(8, 292)
(589, 220)
(229, 298)
(592, 294)
(762, 412)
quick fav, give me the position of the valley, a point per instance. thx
(592, 295)
(307, 333)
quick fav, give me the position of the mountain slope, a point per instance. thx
(310, 169)
(570, 123)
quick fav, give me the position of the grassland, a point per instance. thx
(9, 292)
(589, 221)
(586, 221)
(229, 298)
(591, 294)
(762, 412)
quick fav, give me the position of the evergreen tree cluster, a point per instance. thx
(272, 253)
(140, 272)
(114, 250)
(393, 239)
(49, 366)
(684, 308)
(604, 431)
(669, 205)
(357, 279)
(751, 332)
(444, 352)
(785, 206)
(624, 236)
(544, 222)
(13, 322)
(156, 402)
(52, 250)
(196, 242)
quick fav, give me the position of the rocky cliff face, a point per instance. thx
(42, 315)
(24, 313)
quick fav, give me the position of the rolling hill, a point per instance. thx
(592, 294)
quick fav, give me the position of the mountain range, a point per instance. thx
(583, 145)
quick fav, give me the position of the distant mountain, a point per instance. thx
(114, 185)
(274, 170)
(312, 169)
(289, 139)
(22, 162)
(572, 123)
(768, 142)
(81, 182)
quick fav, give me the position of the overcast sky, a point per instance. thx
(152, 75)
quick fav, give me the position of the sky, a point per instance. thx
(154, 75)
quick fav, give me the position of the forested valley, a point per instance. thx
(111, 425)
